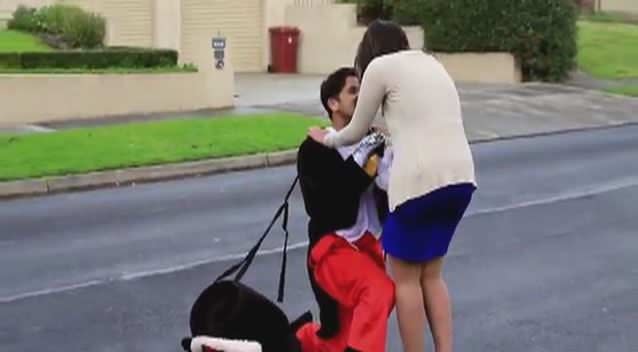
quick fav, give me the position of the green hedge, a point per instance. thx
(70, 25)
(92, 59)
(540, 33)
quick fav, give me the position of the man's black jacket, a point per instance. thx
(332, 189)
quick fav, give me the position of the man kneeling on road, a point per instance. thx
(344, 193)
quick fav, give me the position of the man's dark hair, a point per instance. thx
(381, 38)
(333, 85)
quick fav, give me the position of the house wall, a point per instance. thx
(33, 98)
(628, 6)
(330, 36)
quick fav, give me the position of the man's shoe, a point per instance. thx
(304, 319)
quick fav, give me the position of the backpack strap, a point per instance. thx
(241, 267)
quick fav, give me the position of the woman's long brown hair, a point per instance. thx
(381, 38)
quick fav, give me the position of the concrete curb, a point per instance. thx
(50, 185)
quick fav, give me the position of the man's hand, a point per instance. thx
(372, 165)
(367, 147)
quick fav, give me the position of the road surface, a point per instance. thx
(546, 260)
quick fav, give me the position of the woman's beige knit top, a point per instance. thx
(422, 110)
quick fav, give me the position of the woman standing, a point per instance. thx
(432, 177)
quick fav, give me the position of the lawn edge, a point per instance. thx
(146, 174)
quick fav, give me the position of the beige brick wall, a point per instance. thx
(629, 6)
(85, 96)
(167, 24)
(11, 5)
(241, 22)
(481, 67)
(330, 36)
(33, 98)
(130, 22)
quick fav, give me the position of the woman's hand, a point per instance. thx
(317, 133)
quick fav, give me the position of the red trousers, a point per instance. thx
(354, 276)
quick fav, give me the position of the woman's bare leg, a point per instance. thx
(409, 304)
(437, 304)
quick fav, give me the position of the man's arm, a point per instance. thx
(324, 171)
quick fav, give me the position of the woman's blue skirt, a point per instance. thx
(421, 229)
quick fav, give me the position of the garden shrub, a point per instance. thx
(540, 33)
(62, 26)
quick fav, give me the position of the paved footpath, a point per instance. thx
(490, 110)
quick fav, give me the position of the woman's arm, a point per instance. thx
(371, 95)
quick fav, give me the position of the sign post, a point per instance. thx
(219, 51)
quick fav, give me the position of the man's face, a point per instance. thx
(347, 98)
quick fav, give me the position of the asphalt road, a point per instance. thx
(545, 261)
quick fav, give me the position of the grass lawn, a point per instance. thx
(631, 91)
(13, 41)
(608, 50)
(138, 144)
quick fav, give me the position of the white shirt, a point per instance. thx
(422, 110)
(368, 215)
